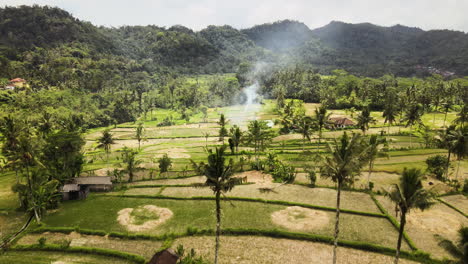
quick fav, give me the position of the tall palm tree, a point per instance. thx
(390, 113)
(447, 107)
(412, 117)
(345, 162)
(10, 132)
(365, 119)
(321, 118)
(305, 126)
(222, 130)
(459, 144)
(407, 195)
(105, 141)
(258, 134)
(236, 135)
(129, 158)
(219, 179)
(462, 116)
(445, 139)
(374, 150)
(139, 134)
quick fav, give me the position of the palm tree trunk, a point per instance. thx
(388, 130)
(400, 236)
(303, 142)
(36, 214)
(411, 137)
(337, 222)
(371, 165)
(445, 118)
(218, 225)
(458, 168)
(448, 164)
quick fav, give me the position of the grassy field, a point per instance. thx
(272, 250)
(39, 257)
(186, 141)
(101, 213)
(429, 227)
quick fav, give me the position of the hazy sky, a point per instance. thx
(426, 14)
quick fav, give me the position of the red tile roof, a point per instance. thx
(17, 80)
(342, 121)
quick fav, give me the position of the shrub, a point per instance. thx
(164, 163)
(312, 176)
(371, 186)
(283, 173)
(465, 186)
(437, 165)
(168, 121)
(190, 257)
(41, 241)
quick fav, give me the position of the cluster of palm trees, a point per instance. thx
(348, 155)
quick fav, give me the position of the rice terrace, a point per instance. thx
(270, 144)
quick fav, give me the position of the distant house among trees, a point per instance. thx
(80, 187)
(15, 83)
(340, 122)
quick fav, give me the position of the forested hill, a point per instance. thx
(362, 49)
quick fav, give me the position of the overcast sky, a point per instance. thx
(197, 14)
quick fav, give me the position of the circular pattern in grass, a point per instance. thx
(300, 219)
(143, 218)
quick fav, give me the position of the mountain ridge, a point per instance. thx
(363, 48)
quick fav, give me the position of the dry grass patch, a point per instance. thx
(143, 218)
(300, 219)
(255, 176)
(427, 228)
(143, 191)
(174, 153)
(292, 193)
(190, 180)
(262, 250)
(144, 248)
(459, 201)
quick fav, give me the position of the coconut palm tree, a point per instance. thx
(390, 113)
(219, 179)
(258, 134)
(10, 132)
(447, 107)
(305, 126)
(365, 119)
(139, 134)
(345, 162)
(407, 195)
(129, 158)
(236, 136)
(462, 116)
(459, 144)
(222, 130)
(445, 140)
(376, 146)
(321, 118)
(412, 117)
(105, 141)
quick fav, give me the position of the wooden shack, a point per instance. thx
(74, 191)
(340, 122)
(95, 183)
